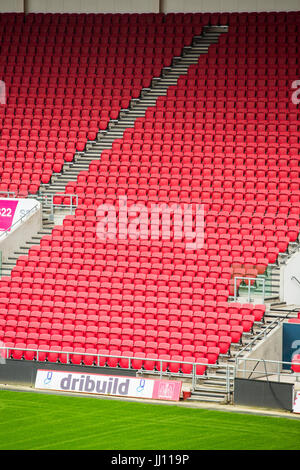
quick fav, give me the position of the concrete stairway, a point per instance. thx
(8, 265)
(217, 385)
(271, 278)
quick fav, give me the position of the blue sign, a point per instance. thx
(290, 342)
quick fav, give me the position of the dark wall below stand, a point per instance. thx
(23, 373)
(264, 394)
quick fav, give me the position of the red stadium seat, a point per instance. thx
(296, 364)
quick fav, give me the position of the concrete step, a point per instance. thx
(207, 396)
(210, 390)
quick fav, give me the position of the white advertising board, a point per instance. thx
(12, 210)
(133, 387)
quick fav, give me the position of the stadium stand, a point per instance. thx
(224, 136)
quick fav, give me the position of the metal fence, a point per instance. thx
(47, 202)
(248, 281)
(101, 360)
(11, 194)
(258, 369)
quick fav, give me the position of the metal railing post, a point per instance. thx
(72, 206)
(228, 383)
(248, 283)
(264, 289)
(193, 376)
(249, 287)
(51, 208)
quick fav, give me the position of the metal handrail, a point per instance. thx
(98, 356)
(48, 200)
(71, 205)
(262, 333)
(271, 325)
(5, 232)
(296, 279)
(8, 193)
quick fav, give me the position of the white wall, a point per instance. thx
(22, 231)
(193, 6)
(7, 6)
(289, 288)
(92, 6)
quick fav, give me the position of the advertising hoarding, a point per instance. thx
(133, 387)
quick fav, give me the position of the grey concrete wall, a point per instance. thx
(269, 349)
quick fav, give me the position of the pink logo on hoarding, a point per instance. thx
(7, 212)
(166, 390)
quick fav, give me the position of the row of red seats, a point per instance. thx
(220, 278)
(159, 55)
(87, 312)
(86, 19)
(182, 253)
(278, 19)
(113, 358)
(174, 320)
(214, 233)
(200, 335)
(76, 69)
(264, 59)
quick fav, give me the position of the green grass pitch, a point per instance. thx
(34, 421)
